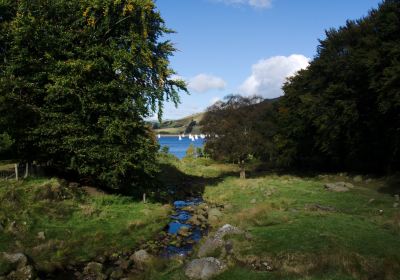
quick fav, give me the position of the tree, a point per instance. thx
(77, 81)
(234, 129)
(343, 111)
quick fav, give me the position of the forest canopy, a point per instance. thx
(343, 111)
(77, 79)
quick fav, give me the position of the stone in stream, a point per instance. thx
(17, 260)
(204, 268)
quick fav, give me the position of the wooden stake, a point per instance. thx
(16, 171)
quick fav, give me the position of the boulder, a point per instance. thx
(22, 273)
(41, 235)
(204, 268)
(217, 241)
(227, 230)
(209, 247)
(116, 273)
(17, 260)
(140, 258)
(253, 201)
(94, 269)
(358, 178)
(338, 187)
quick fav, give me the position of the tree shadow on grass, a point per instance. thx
(177, 185)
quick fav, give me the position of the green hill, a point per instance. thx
(188, 124)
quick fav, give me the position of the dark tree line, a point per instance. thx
(341, 113)
(77, 78)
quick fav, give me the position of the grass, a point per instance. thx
(77, 227)
(351, 235)
(360, 237)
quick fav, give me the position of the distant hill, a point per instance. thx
(188, 124)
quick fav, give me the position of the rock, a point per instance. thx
(209, 247)
(395, 205)
(41, 235)
(396, 198)
(184, 231)
(371, 200)
(229, 246)
(217, 241)
(116, 273)
(368, 181)
(22, 273)
(338, 187)
(140, 258)
(226, 230)
(73, 185)
(253, 201)
(17, 260)
(204, 268)
(123, 263)
(358, 178)
(94, 269)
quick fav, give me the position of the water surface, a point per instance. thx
(178, 147)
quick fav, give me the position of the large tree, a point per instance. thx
(343, 111)
(76, 82)
(239, 128)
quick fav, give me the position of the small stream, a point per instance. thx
(183, 231)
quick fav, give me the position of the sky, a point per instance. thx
(246, 47)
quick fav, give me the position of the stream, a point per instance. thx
(186, 227)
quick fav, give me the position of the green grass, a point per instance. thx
(355, 238)
(77, 228)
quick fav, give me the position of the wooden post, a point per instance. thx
(16, 171)
(26, 170)
(144, 197)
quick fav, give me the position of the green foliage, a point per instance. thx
(240, 128)
(190, 152)
(78, 79)
(343, 111)
(5, 142)
(165, 149)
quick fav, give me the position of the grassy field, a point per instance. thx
(57, 226)
(300, 229)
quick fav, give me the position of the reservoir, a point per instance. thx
(178, 147)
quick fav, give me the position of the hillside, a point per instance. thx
(188, 124)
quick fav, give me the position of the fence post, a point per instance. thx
(16, 171)
(144, 197)
(26, 170)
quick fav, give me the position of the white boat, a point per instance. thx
(196, 137)
(180, 138)
(159, 136)
(202, 136)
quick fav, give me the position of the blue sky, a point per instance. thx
(246, 46)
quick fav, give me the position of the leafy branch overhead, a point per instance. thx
(78, 79)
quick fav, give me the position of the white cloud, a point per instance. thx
(253, 3)
(204, 82)
(268, 75)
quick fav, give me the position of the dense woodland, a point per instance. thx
(341, 113)
(77, 80)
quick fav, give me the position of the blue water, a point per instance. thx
(178, 147)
